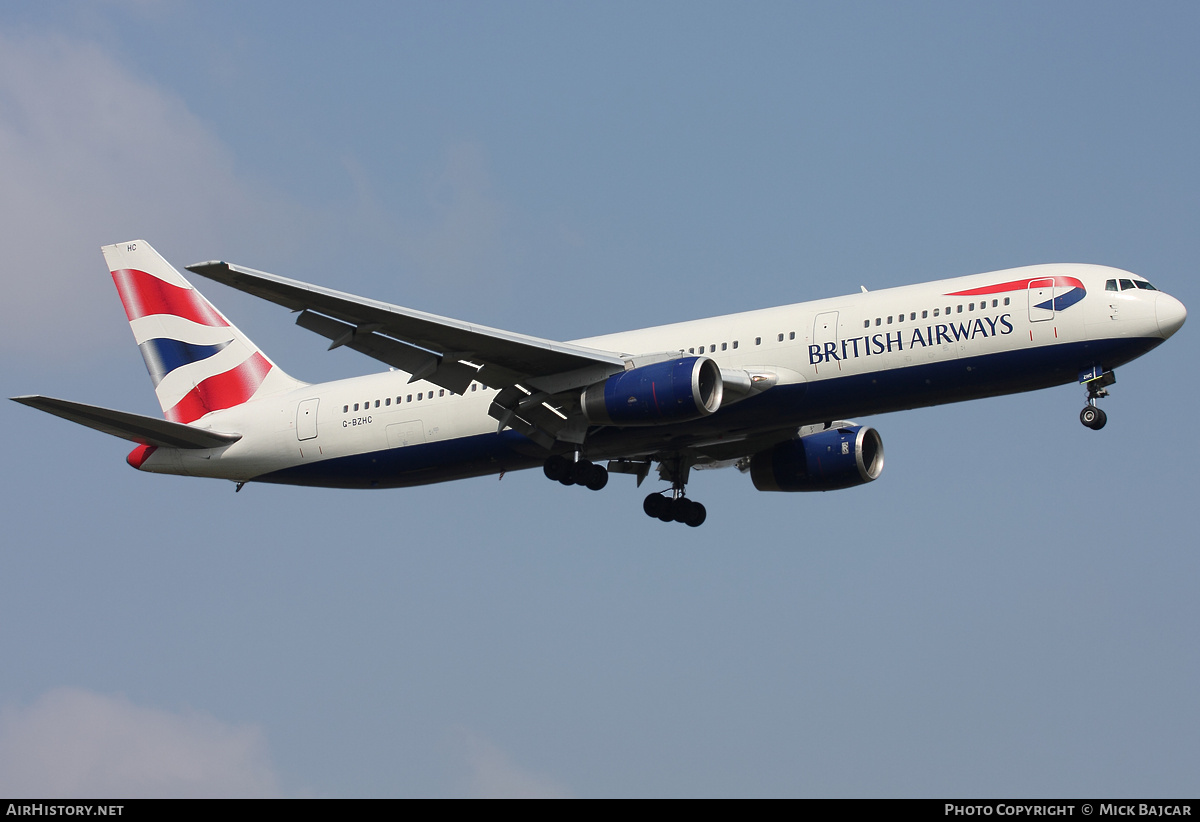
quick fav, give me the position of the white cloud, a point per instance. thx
(91, 154)
(74, 743)
(494, 774)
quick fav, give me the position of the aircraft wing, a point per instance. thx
(134, 427)
(451, 353)
(495, 358)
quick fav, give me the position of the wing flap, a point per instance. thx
(438, 369)
(134, 427)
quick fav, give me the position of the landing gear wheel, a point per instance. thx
(695, 516)
(556, 467)
(682, 509)
(654, 505)
(597, 477)
(1093, 417)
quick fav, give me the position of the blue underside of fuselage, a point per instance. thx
(780, 409)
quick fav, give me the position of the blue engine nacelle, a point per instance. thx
(673, 391)
(825, 461)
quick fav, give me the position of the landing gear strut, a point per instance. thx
(1096, 381)
(575, 472)
(675, 507)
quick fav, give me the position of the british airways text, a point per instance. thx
(943, 333)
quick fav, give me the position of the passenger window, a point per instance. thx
(441, 392)
(472, 386)
(376, 403)
(866, 323)
(355, 406)
(1006, 300)
(735, 345)
(935, 311)
(924, 315)
(712, 348)
(345, 408)
(388, 401)
(971, 307)
(724, 346)
(889, 320)
(912, 316)
(878, 321)
(691, 350)
(792, 335)
(409, 398)
(960, 308)
(781, 338)
(995, 303)
(758, 340)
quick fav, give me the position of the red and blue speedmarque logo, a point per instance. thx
(1067, 290)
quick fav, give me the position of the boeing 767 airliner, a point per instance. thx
(767, 391)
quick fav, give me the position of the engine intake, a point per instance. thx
(673, 391)
(825, 461)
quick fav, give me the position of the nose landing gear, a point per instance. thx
(1096, 381)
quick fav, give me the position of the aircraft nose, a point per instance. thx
(1170, 314)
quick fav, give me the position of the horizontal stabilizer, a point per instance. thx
(133, 427)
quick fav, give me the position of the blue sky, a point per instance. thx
(1009, 611)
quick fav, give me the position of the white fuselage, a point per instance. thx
(864, 353)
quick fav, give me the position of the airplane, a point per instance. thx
(766, 391)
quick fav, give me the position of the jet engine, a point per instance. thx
(824, 461)
(672, 391)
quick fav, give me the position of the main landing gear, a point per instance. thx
(1096, 382)
(668, 506)
(673, 506)
(575, 472)
(675, 509)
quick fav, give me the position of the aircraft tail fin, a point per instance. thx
(198, 360)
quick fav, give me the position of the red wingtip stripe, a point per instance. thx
(225, 390)
(144, 294)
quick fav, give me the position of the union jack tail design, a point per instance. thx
(198, 360)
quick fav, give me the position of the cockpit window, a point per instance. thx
(1110, 285)
(1126, 285)
(1145, 286)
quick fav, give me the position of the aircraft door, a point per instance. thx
(1041, 300)
(306, 420)
(825, 334)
